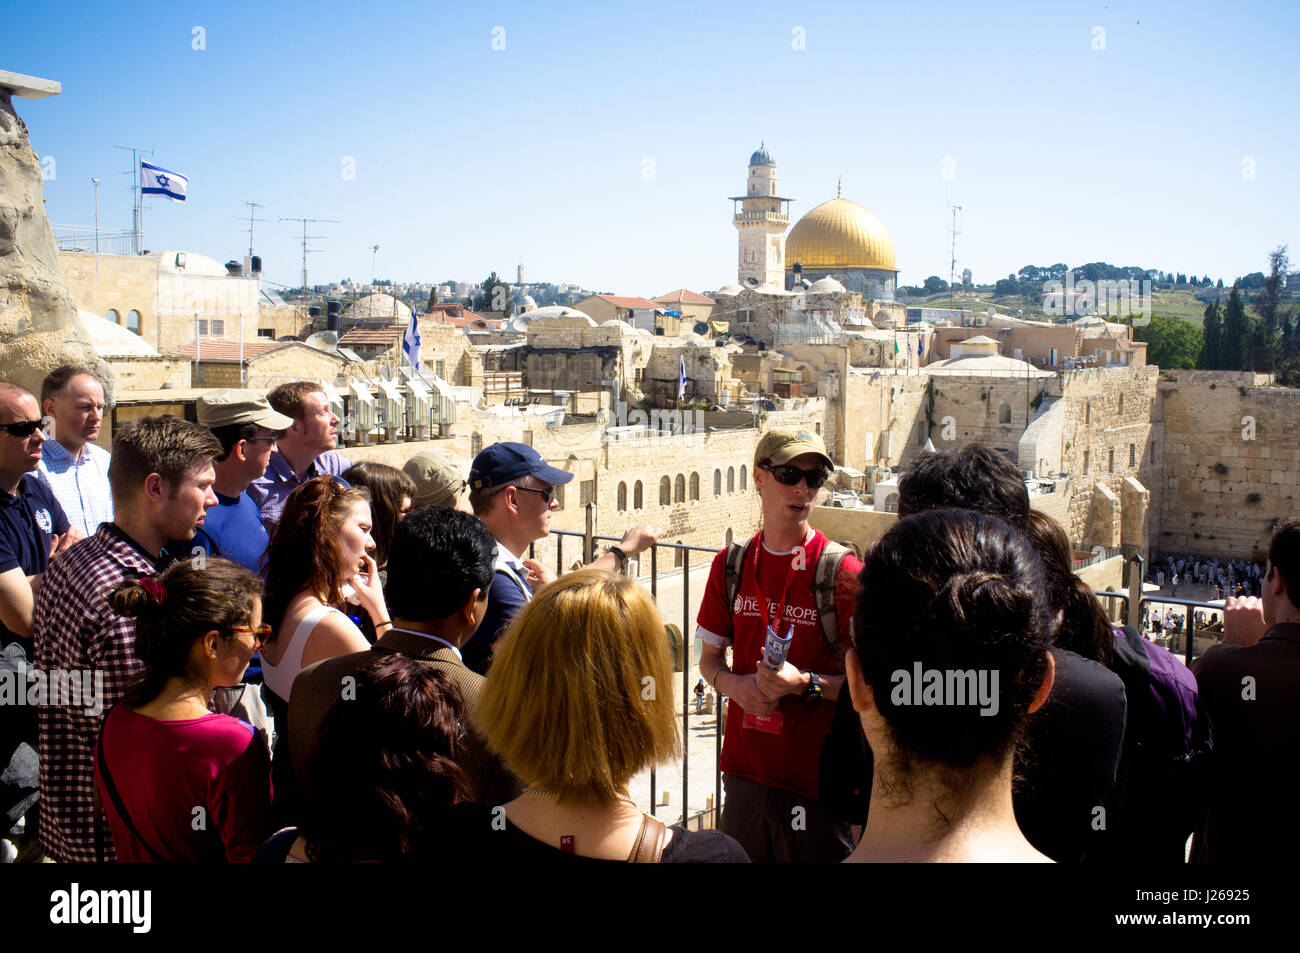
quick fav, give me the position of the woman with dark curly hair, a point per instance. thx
(950, 658)
(385, 777)
(180, 783)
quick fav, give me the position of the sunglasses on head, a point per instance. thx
(23, 428)
(790, 476)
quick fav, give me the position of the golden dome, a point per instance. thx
(839, 234)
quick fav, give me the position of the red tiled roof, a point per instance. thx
(221, 349)
(683, 296)
(368, 335)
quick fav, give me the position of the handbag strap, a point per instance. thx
(117, 798)
(649, 846)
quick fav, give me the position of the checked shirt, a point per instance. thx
(76, 631)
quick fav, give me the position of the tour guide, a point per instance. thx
(778, 717)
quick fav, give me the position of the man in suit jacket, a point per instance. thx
(1250, 685)
(440, 569)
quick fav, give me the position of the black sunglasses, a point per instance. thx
(790, 476)
(546, 494)
(23, 428)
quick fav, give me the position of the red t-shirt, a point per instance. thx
(781, 750)
(197, 790)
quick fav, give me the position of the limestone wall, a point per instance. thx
(1230, 462)
(149, 373)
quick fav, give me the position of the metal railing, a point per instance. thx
(708, 817)
(1188, 628)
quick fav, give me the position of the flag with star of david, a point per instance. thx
(155, 180)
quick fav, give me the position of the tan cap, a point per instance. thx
(222, 408)
(779, 447)
(439, 478)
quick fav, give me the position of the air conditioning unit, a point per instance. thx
(981, 322)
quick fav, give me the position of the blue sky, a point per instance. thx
(469, 158)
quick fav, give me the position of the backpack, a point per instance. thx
(824, 576)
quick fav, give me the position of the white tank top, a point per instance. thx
(279, 678)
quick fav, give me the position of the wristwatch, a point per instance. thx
(813, 692)
(619, 554)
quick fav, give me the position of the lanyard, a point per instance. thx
(762, 596)
(427, 635)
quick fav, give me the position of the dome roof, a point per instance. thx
(520, 322)
(378, 307)
(112, 340)
(729, 289)
(840, 234)
(762, 157)
(826, 285)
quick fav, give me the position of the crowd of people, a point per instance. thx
(425, 688)
(1236, 577)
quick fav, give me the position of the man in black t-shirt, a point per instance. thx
(33, 527)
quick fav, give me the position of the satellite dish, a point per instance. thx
(752, 282)
(701, 328)
(324, 341)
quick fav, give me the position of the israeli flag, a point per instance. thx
(155, 180)
(681, 380)
(411, 342)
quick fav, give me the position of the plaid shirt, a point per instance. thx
(76, 631)
(80, 486)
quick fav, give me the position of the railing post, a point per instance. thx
(1135, 592)
(1189, 628)
(686, 678)
(589, 544)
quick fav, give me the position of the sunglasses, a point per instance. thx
(790, 476)
(23, 428)
(260, 633)
(341, 483)
(547, 494)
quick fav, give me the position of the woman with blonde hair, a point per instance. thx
(579, 700)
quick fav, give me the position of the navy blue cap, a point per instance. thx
(502, 462)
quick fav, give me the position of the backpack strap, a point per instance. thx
(649, 846)
(825, 576)
(734, 566)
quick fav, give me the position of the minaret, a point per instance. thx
(761, 218)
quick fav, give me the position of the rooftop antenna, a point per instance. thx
(952, 248)
(137, 197)
(305, 250)
(252, 210)
(374, 250)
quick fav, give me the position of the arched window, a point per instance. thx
(679, 489)
(622, 496)
(717, 483)
(636, 496)
(1004, 414)
(113, 316)
(665, 492)
(744, 479)
(695, 486)
(133, 321)
(731, 479)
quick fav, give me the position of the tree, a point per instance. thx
(934, 285)
(495, 294)
(1236, 333)
(1212, 331)
(1006, 286)
(433, 298)
(1171, 342)
(1269, 300)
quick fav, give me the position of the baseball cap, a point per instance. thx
(222, 408)
(778, 447)
(502, 462)
(439, 479)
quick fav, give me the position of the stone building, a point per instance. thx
(166, 296)
(637, 312)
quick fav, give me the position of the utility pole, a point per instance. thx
(374, 250)
(252, 210)
(305, 249)
(952, 266)
(95, 182)
(137, 197)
